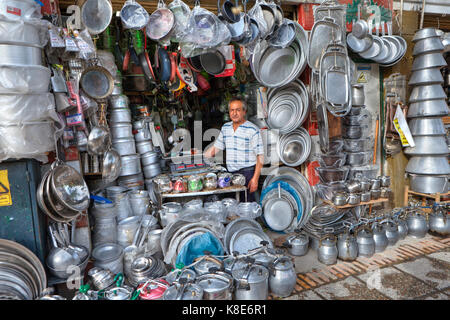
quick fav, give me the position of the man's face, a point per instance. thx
(237, 112)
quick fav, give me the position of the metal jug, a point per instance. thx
(417, 224)
(402, 228)
(439, 221)
(366, 243)
(347, 246)
(282, 277)
(252, 282)
(328, 252)
(380, 238)
(392, 233)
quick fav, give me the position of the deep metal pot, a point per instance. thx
(252, 283)
(118, 102)
(151, 170)
(120, 115)
(379, 237)
(149, 158)
(354, 198)
(428, 184)
(439, 222)
(366, 243)
(142, 135)
(216, 286)
(347, 247)
(130, 165)
(366, 196)
(375, 194)
(402, 228)
(121, 130)
(298, 244)
(124, 146)
(392, 234)
(327, 251)
(358, 96)
(144, 146)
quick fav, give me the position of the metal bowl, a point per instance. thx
(424, 33)
(108, 251)
(433, 165)
(430, 126)
(428, 145)
(63, 274)
(427, 92)
(428, 108)
(428, 60)
(332, 174)
(426, 76)
(332, 160)
(432, 44)
(428, 184)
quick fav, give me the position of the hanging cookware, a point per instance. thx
(213, 62)
(366, 243)
(164, 69)
(133, 15)
(227, 11)
(417, 224)
(252, 282)
(96, 15)
(146, 65)
(160, 23)
(282, 279)
(97, 82)
(181, 12)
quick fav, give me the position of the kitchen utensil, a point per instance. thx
(96, 15)
(379, 237)
(282, 279)
(327, 252)
(366, 243)
(133, 15)
(97, 82)
(417, 224)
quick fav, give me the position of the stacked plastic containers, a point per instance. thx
(27, 107)
(428, 167)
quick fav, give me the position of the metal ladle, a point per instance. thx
(99, 139)
(59, 258)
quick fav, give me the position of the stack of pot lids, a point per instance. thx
(144, 268)
(288, 107)
(299, 183)
(325, 216)
(294, 147)
(22, 275)
(275, 67)
(428, 166)
(236, 226)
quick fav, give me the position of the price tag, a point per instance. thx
(71, 45)
(74, 119)
(55, 40)
(68, 134)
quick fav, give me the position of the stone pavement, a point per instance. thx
(425, 277)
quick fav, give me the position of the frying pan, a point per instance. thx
(213, 62)
(146, 65)
(225, 12)
(195, 63)
(161, 22)
(164, 64)
(133, 15)
(97, 82)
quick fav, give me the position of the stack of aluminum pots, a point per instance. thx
(428, 167)
(150, 159)
(122, 136)
(27, 107)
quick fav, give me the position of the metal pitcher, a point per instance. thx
(328, 252)
(417, 224)
(366, 243)
(380, 238)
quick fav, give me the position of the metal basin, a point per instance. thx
(428, 184)
(428, 60)
(428, 108)
(427, 92)
(432, 44)
(428, 145)
(424, 33)
(426, 76)
(428, 165)
(430, 126)
(130, 165)
(332, 174)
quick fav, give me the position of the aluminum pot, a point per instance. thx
(366, 196)
(142, 135)
(375, 194)
(298, 244)
(355, 145)
(402, 228)
(327, 251)
(366, 243)
(189, 291)
(353, 186)
(430, 126)
(118, 102)
(204, 266)
(439, 222)
(23, 33)
(20, 55)
(428, 165)
(139, 201)
(365, 185)
(339, 199)
(101, 278)
(392, 234)
(385, 181)
(347, 247)
(354, 198)
(428, 108)
(144, 146)
(417, 224)
(103, 211)
(379, 237)
(126, 230)
(130, 165)
(120, 115)
(428, 184)
(124, 146)
(358, 96)
(121, 130)
(109, 256)
(282, 277)
(359, 158)
(252, 283)
(132, 182)
(152, 170)
(375, 184)
(216, 286)
(149, 158)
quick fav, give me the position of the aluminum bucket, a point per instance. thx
(121, 130)
(130, 165)
(126, 230)
(120, 115)
(124, 146)
(152, 170)
(139, 201)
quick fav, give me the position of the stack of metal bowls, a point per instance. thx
(109, 256)
(22, 273)
(428, 167)
(122, 136)
(144, 268)
(28, 108)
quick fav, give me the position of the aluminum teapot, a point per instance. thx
(439, 221)
(402, 227)
(328, 252)
(366, 243)
(347, 246)
(391, 228)
(380, 238)
(417, 224)
(282, 277)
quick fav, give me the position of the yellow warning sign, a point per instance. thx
(401, 134)
(5, 191)
(362, 78)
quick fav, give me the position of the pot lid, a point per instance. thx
(119, 293)
(190, 292)
(204, 265)
(255, 275)
(213, 283)
(263, 258)
(107, 251)
(298, 239)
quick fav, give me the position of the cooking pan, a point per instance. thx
(164, 65)
(269, 16)
(195, 63)
(426, 76)
(225, 12)
(133, 15)
(96, 15)
(237, 29)
(428, 60)
(144, 59)
(161, 22)
(97, 82)
(213, 62)
(428, 108)
(283, 35)
(434, 165)
(433, 44)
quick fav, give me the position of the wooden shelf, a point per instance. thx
(380, 200)
(446, 120)
(438, 197)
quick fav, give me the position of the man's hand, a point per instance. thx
(253, 185)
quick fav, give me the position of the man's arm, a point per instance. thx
(211, 152)
(253, 184)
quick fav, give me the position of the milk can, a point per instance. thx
(347, 246)
(391, 229)
(379, 237)
(417, 224)
(366, 244)
(282, 277)
(252, 283)
(104, 229)
(327, 252)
